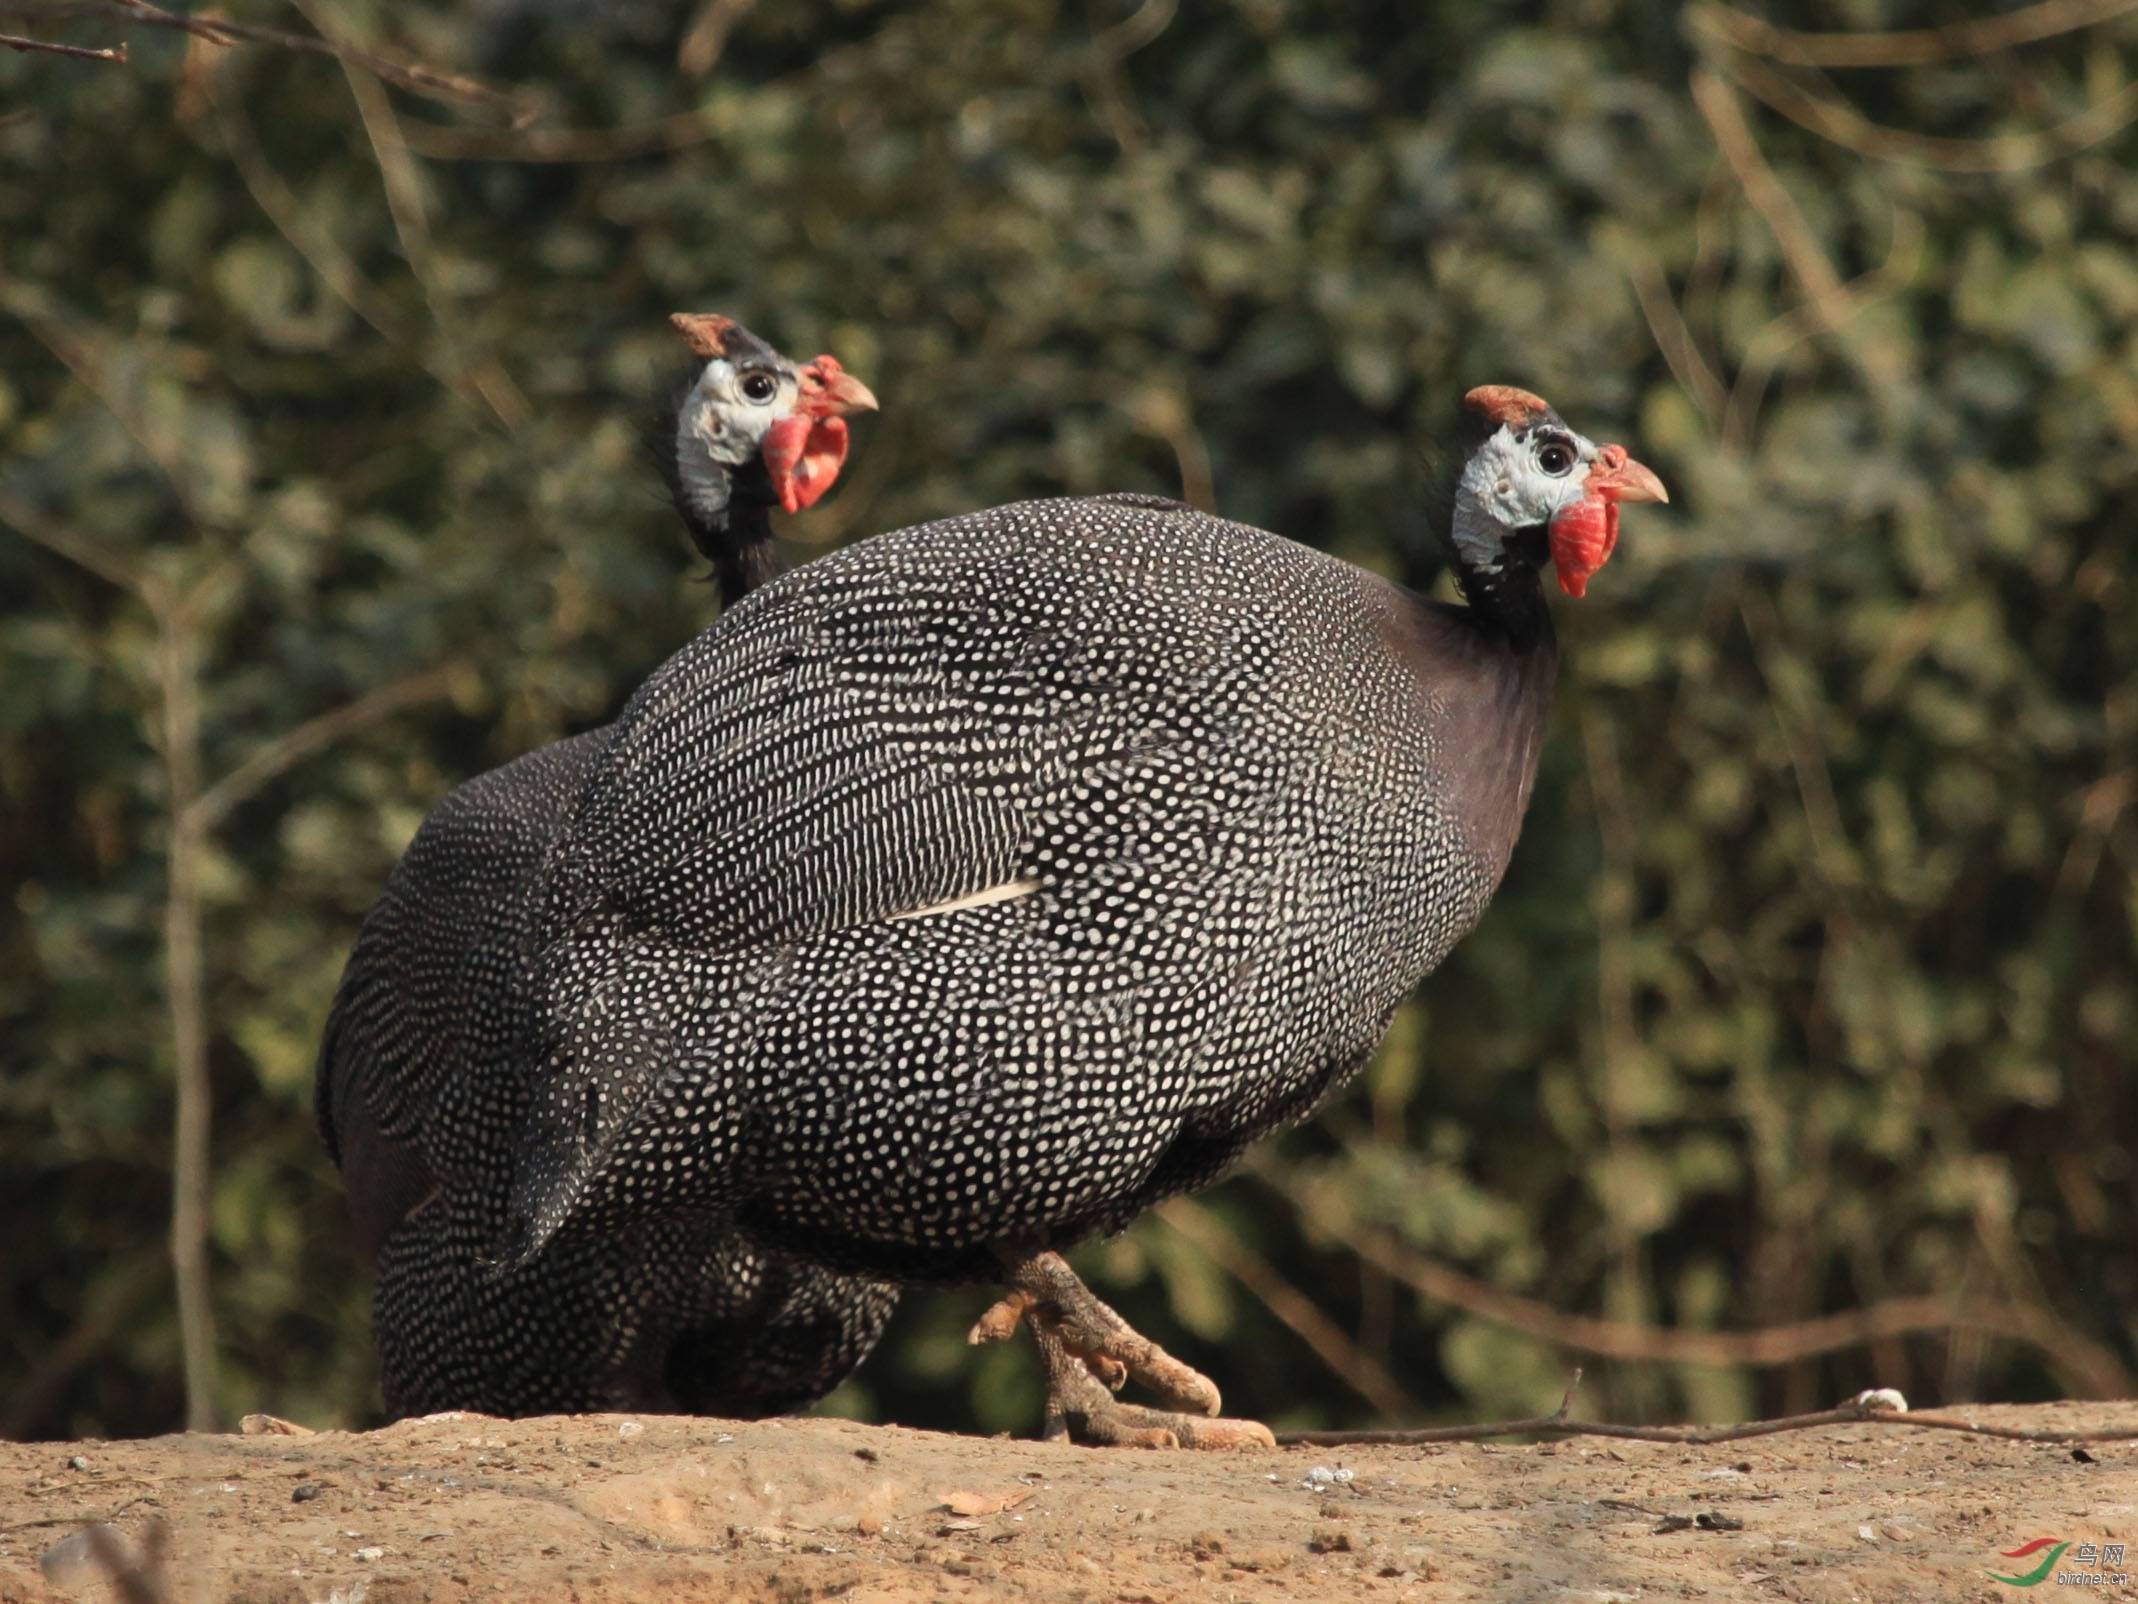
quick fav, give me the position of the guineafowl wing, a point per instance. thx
(426, 1013)
(976, 880)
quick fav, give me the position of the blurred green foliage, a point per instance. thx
(1815, 982)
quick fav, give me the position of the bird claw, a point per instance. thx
(1000, 1321)
(1087, 1347)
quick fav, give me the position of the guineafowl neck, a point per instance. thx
(731, 524)
(1488, 670)
(1507, 598)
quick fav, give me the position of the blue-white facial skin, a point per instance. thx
(723, 420)
(1520, 478)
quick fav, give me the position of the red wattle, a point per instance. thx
(804, 456)
(1582, 539)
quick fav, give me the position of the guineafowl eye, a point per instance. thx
(760, 387)
(1555, 458)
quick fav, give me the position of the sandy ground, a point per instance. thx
(611, 1507)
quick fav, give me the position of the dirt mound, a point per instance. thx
(609, 1507)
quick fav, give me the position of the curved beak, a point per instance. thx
(806, 451)
(1618, 478)
(829, 391)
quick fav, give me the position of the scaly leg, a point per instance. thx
(1089, 1351)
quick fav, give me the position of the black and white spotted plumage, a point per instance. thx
(1236, 796)
(425, 1078)
(424, 1083)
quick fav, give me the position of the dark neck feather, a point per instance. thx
(740, 546)
(737, 539)
(1490, 666)
(1509, 599)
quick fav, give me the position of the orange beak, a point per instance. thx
(1618, 478)
(829, 391)
(1585, 534)
(805, 452)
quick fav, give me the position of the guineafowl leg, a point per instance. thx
(1089, 1351)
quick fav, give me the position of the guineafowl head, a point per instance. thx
(1536, 489)
(750, 403)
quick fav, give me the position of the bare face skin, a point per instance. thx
(1535, 472)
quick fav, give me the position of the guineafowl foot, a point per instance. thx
(1089, 1352)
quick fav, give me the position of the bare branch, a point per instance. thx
(1851, 1414)
(411, 222)
(1162, 411)
(1666, 324)
(2102, 803)
(1783, 334)
(685, 128)
(440, 143)
(1826, 299)
(1360, 1371)
(326, 258)
(2004, 153)
(107, 562)
(411, 75)
(1139, 28)
(1814, 274)
(315, 735)
(315, 245)
(708, 33)
(2086, 1364)
(107, 1312)
(15, 42)
(1983, 36)
(136, 1575)
(55, 327)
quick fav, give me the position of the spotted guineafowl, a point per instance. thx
(966, 892)
(422, 1081)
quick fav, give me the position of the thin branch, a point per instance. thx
(274, 197)
(1666, 324)
(707, 34)
(336, 270)
(107, 562)
(1162, 412)
(15, 42)
(1852, 1414)
(314, 735)
(1359, 1370)
(179, 654)
(1814, 274)
(415, 76)
(54, 325)
(1833, 857)
(2003, 153)
(438, 142)
(1110, 46)
(2086, 1363)
(1915, 47)
(2102, 803)
(136, 1575)
(411, 222)
(1783, 334)
(108, 1311)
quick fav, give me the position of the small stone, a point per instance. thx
(78, 1462)
(1329, 1540)
(305, 1491)
(272, 1426)
(630, 1428)
(370, 1553)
